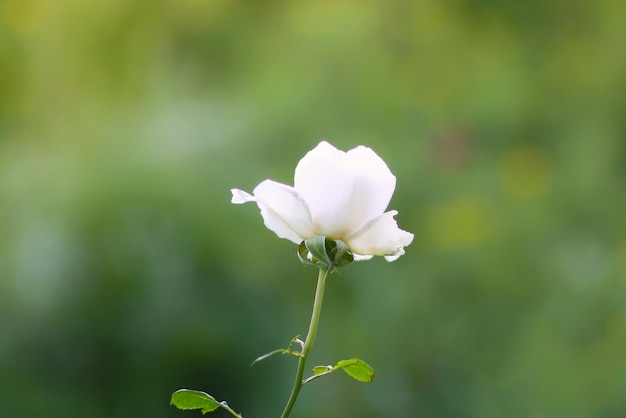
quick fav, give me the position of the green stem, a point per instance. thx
(308, 343)
(229, 409)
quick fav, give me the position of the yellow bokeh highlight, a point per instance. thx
(21, 16)
(525, 172)
(461, 224)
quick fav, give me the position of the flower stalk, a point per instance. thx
(308, 342)
(335, 213)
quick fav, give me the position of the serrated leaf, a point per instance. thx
(187, 399)
(356, 368)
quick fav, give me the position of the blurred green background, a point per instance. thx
(125, 273)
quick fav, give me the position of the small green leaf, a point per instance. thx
(321, 370)
(357, 369)
(192, 399)
(354, 367)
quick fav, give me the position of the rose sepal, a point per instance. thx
(324, 253)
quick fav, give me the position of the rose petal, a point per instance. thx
(284, 211)
(239, 197)
(395, 256)
(344, 190)
(381, 236)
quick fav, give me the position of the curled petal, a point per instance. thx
(395, 256)
(239, 197)
(380, 236)
(284, 212)
(344, 190)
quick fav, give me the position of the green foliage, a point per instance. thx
(192, 399)
(187, 399)
(357, 369)
(354, 367)
(317, 370)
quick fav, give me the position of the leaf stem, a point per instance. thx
(229, 409)
(308, 343)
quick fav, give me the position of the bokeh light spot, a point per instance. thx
(463, 223)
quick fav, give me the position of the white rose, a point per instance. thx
(336, 194)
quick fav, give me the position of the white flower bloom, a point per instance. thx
(336, 194)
